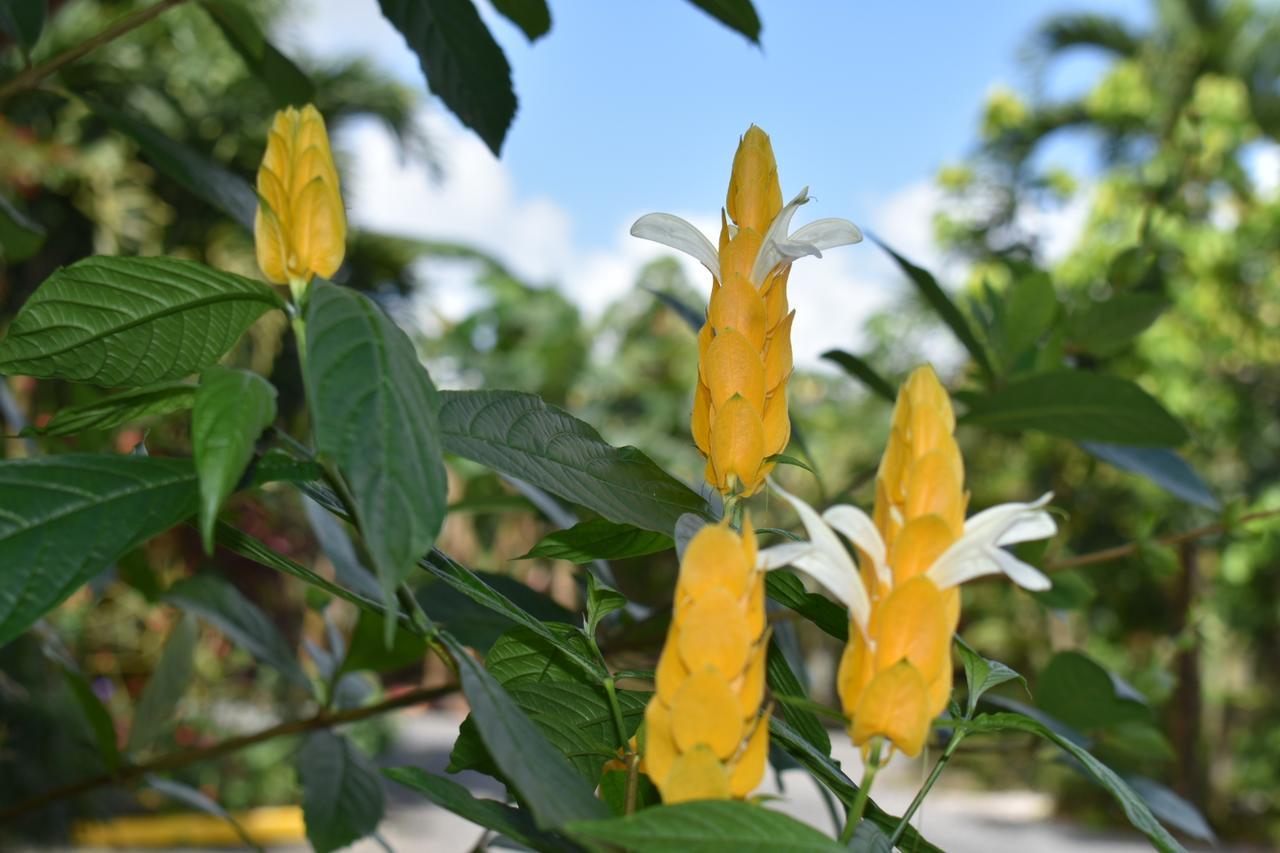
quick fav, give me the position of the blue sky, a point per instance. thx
(630, 107)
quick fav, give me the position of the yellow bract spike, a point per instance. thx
(749, 769)
(714, 633)
(913, 628)
(737, 446)
(738, 306)
(920, 541)
(705, 712)
(894, 706)
(734, 368)
(754, 197)
(696, 775)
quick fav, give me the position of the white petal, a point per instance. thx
(1002, 516)
(1028, 528)
(680, 235)
(828, 233)
(1025, 576)
(777, 556)
(769, 255)
(977, 552)
(859, 529)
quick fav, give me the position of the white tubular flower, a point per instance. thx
(978, 552)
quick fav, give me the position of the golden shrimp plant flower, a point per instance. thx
(704, 735)
(744, 348)
(916, 549)
(300, 228)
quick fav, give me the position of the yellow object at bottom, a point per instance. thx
(267, 825)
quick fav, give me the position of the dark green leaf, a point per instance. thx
(828, 772)
(710, 825)
(189, 796)
(373, 411)
(1135, 808)
(490, 814)
(131, 321)
(331, 535)
(859, 369)
(166, 685)
(521, 436)
(23, 20)
(1172, 809)
(1105, 328)
(507, 598)
(531, 16)
(546, 783)
(108, 412)
(869, 838)
(66, 518)
(599, 539)
(782, 680)
(692, 317)
(276, 466)
(369, 650)
(1161, 466)
(1071, 590)
(464, 66)
(784, 587)
(96, 715)
(1079, 692)
(342, 799)
(20, 237)
(210, 181)
(1079, 405)
(942, 305)
(232, 408)
(288, 84)
(1029, 310)
(739, 15)
(601, 601)
(222, 606)
(784, 459)
(981, 674)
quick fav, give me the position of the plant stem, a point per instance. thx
(617, 711)
(633, 783)
(864, 792)
(30, 78)
(321, 720)
(957, 735)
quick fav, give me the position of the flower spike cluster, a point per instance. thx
(740, 414)
(300, 229)
(705, 737)
(915, 550)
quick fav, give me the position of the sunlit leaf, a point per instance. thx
(599, 539)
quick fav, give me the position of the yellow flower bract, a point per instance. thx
(894, 681)
(705, 737)
(300, 229)
(740, 407)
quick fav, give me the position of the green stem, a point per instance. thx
(952, 745)
(864, 792)
(617, 711)
(633, 783)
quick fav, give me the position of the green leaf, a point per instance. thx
(599, 539)
(490, 814)
(982, 674)
(694, 318)
(784, 587)
(189, 796)
(828, 772)
(1161, 466)
(784, 459)
(23, 20)
(131, 321)
(942, 305)
(709, 825)
(108, 412)
(368, 649)
(1172, 809)
(1029, 310)
(1135, 808)
(531, 16)
(222, 606)
(1071, 590)
(201, 177)
(464, 66)
(478, 607)
(540, 775)
(96, 715)
(342, 799)
(277, 466)
(1079, 692)
(782, 680)
(1105, 328)
(166, 685)
(373, 411)
(521, 436)
(335, 542)
(20, 237)
(66, 518)
(1079, 405)
(286, 82)
(232, 408)
(859, 369)
(869, 838)
(738, 15)
(487, 593)
(601, 601)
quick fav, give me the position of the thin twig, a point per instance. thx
(1107, 554)
(174, 760)
(31, 78)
